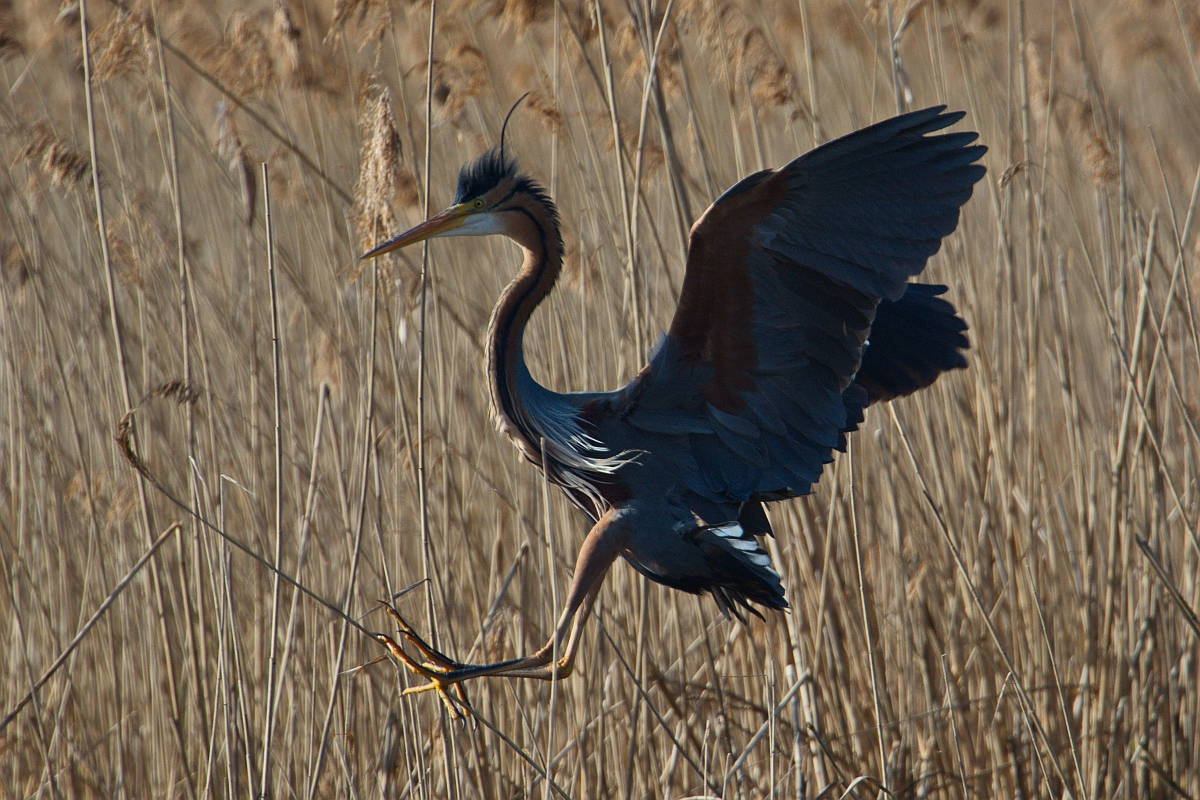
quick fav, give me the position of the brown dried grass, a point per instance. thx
(1061, 445)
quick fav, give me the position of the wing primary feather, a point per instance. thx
(797, 312)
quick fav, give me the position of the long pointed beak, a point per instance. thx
(436, 225)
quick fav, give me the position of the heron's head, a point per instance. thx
(492, 197)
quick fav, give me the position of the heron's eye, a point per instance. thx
(477, 203)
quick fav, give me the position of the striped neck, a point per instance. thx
(516, 397)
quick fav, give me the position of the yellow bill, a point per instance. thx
(437, 225)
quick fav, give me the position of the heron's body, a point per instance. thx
(765, 368)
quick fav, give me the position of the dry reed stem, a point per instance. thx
(91, 623)
(1018, 451)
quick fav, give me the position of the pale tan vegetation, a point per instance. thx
(990, 592)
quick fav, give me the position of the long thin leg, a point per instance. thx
(600, 549)
(566, 663)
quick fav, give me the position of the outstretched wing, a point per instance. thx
(755, 378)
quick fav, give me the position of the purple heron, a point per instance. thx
(796, 313)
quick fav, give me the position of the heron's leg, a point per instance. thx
(600, 549)
(548, 671)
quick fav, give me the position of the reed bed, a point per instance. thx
(990, 592)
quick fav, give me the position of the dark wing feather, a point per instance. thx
(913, 340)
(755, 378)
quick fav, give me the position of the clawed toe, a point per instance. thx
(436, 668)
(435, 656)
(445, 675)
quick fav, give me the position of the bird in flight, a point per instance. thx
(796, 313)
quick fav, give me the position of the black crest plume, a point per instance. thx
(507, 117)
(480, 175)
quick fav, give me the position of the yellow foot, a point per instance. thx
(433, 669)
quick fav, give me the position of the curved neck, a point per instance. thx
(531, 226)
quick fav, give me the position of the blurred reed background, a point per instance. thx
(1002, 632)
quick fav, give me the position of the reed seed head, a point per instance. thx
(1039, 81)
(12, 34)
(379, 180)
(285, 43)
(125, 44)
(544, 108)
(325, 364)
(1096, 153)
(233, 152)
(60, 162)
(250, 50)
(14, 267)
(767, 74)
(373, 16)
(521, 15)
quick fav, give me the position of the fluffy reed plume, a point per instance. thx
(1010, 172)
(287, 184)
(125, 44)
(85, 498)
(712, 20)
(1080, 123)
(59, 161)
(13, 266)
(521, 76)
(176, 389)
(139, 242)
(545, 110)
(1136, 35)
(285, 42)
(240, 57)
(1039, 82)
(755, 60)
(771, 82)
(325, 364)
(124, 258)
(499, 640)
(904, 12)
(11, 40)
(521, 14)
(382, 179)
(1097, 155)
(122, 508)
(582, 16)
(581, 270)
(652, 154)
(372, 15)
(457, 77)
(630, 46)
(78, 496)
(233, 152)
(911, 12)
(846, 26)
(250, 66)
(10, 44)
